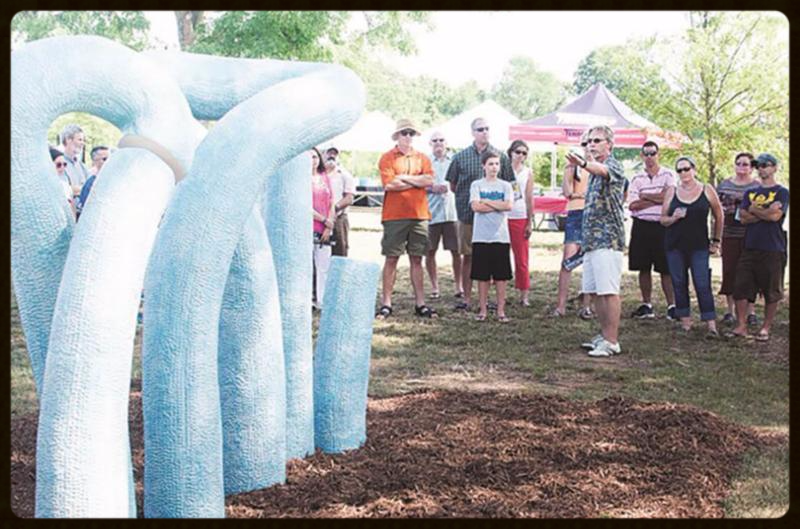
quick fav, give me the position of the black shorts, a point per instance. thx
(491, 260)
(759, 271)
(647, 247)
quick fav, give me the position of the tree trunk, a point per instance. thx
(187, 24)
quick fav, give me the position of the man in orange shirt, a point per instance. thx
(405, 174)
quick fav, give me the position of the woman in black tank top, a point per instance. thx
(685, 214)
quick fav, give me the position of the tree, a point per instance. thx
(188, 21)
(127, 27)
(631, 72)
(528, 91)
(305, 35)
(730, 86)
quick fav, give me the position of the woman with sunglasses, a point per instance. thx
(731, 192)
(322, 201)
(685, 214)
(576, 181)
(60, 164)
(519, 218)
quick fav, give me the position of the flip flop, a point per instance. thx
(459, 294)
(384, 312)
(732, 334)
(762, 336)
(434, 295)
(462, 306)
(480, 317)
(503, 319)
(424, 311)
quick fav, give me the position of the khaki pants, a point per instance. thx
(341, 233)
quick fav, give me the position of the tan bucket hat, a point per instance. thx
(403, 124)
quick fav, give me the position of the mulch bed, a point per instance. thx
(459, 454)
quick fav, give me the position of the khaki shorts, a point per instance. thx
(407, 235)
(447, 232)
(602, 272)
(464, 238)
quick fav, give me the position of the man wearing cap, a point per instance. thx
(442, 225)
(464, 169)
(405, 174)
(344, 188)
(603, 234)
(646, 250)
(760, 266)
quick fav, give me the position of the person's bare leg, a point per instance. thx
(430, 266)
(483, 295)
(415, 271)
(611, 307)
(389, 276)
(731, 304)
(570, 249)
(770, 309)
(457, 271)
(741, 317)
(646, 286)
(466, 270)
(666, 287)
(500, 288)
(602, 312)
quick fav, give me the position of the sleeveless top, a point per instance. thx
(321, 199)
(690, 232)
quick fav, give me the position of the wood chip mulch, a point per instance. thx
(466, 454)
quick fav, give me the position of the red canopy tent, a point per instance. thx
(596, 106)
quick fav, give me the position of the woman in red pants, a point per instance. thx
(519, 219)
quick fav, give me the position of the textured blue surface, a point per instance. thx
(79, 324)
(187, 273)
(341, 358)
(287, 210)
(251, 367)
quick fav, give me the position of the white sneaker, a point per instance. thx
(605, 348)
(591, 344)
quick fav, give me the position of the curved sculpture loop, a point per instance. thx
(226, 358)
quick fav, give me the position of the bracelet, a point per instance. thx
(585, 163)
(715, 240)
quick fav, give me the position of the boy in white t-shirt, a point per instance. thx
(491, 199)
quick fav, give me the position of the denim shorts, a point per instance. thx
(572, 228)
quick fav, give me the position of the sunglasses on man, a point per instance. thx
(595, 140)
(438, 140)
(649, 153)
(482, 129)
(408, 132)
(763, 165)
(61, 164)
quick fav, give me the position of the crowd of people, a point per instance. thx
(478, 203)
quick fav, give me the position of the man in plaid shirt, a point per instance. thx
(464, 169)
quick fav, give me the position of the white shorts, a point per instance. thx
(602, 271)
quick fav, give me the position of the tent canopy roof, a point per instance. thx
(372, 132)
(457, 130)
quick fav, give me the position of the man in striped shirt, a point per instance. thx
(646, 249)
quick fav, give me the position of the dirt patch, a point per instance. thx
(471, 454)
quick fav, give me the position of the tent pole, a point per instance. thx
(553, 166)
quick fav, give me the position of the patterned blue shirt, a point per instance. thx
(466, 168)
(603, 220)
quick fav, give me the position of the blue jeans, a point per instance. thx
(572, 227)
(679, 264)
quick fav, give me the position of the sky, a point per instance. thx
(556, 40)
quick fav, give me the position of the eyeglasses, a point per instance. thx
(481, 129)
(683, 169)
(523, 153)
(438, 140)
(61, 164)
(595, 140)
(584, 144)
(649, 153)
(408, 132)
(762, 165)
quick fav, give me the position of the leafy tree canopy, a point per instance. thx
(127, 27)
(527, 91)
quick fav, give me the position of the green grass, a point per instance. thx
(742, 381)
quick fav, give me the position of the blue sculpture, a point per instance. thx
(227, 347)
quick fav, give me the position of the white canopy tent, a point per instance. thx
(457, 130)
(371, 133)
